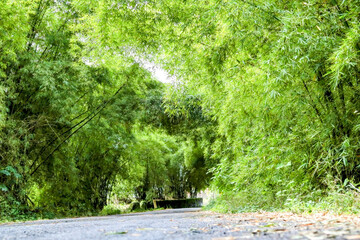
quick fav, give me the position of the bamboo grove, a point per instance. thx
(264, 108)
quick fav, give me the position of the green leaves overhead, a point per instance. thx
(279, 77)
(266, 97)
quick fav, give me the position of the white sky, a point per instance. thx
(159, 73)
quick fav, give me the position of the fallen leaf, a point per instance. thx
(116, 233)
(259, 231)
(305, 224)
(269, 225)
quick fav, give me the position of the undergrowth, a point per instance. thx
(339, 202)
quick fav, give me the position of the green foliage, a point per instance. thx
(157, 168)
(66, 111)
(279, 78)
(111, 210)
(265, 104)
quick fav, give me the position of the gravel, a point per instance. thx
(190, 223)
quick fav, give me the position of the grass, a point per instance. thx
(337, 202)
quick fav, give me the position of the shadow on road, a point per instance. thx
(166, 211)
(67, 220)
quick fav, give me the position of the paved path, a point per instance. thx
(185, 224)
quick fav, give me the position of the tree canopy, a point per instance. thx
(264, 108)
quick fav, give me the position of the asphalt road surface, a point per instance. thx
(191, 223)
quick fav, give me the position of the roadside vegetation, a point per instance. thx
(264, 108)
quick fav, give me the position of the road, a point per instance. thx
(188, 224)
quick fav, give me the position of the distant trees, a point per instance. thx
(164, 161)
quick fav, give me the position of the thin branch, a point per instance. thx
(73, 133)
(353, 187)
(263, 10)
(43, 149)
(312, 102)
